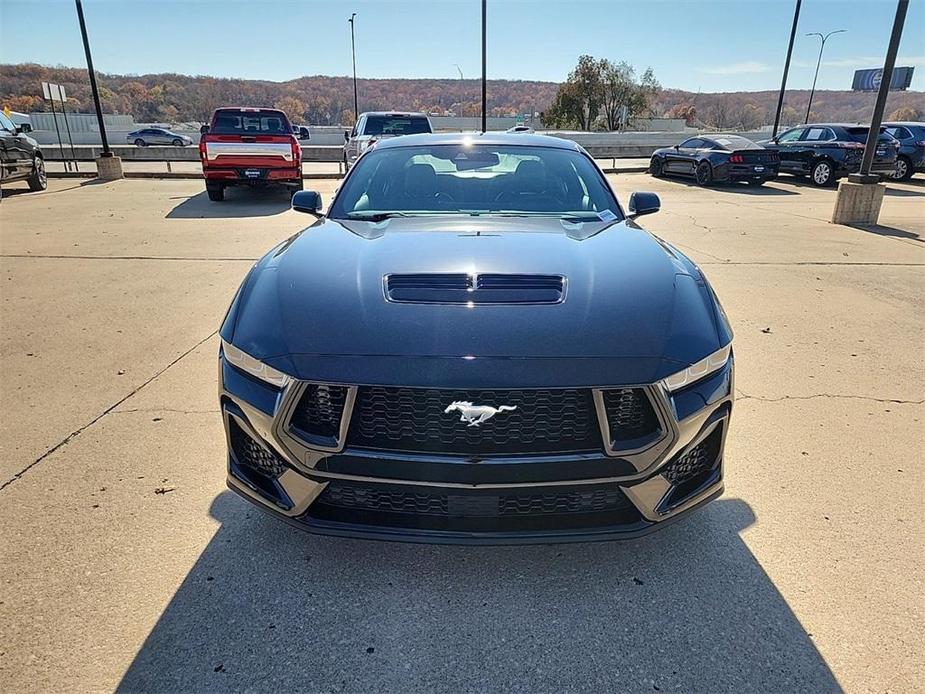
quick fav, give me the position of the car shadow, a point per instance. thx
(239, 202)
(738, 188)
(269, 607)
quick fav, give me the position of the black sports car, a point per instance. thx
(476, 344)
(715, 159)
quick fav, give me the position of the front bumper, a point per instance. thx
(390, 495)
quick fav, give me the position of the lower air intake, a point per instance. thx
(252, 454)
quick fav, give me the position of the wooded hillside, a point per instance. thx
(329, 100)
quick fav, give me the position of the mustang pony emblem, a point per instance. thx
(476, 414)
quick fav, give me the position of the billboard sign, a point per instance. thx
(869, 80)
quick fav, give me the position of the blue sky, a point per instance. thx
(709, 46)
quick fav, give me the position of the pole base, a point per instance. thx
(857, 203)
(109, 168)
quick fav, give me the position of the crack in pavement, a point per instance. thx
(77, 432)
(165, 409)
(745, 396)
(822, 263)
(127, 257)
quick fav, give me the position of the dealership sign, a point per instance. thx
(869, 80)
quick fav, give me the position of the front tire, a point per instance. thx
(822, 174)
(140, 143)
(703, 174)
(903, 170)
(39, 179)
(655, 168)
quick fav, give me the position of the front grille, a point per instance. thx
(531, 502)
(318, 413)
(252, 454)
(531, 421)
(696, 463)
(630, 415)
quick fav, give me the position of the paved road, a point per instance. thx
(126, 564)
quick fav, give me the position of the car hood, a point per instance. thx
(317, 302)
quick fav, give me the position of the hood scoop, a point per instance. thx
(461, 288)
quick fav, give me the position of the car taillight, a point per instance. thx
(736, 159)
(202, 149)
(296, 151)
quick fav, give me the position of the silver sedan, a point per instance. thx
(158, 136)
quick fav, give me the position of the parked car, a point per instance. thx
(716, 158)
(911, 158)
(157, 136)
(828, 151)
(21, 158)
(476, 343)
(379, 125)
(252, 147)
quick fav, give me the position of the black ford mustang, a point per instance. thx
(716, 159)
(476, 344)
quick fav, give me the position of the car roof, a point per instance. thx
(394, 113)
(906, 123)
(489, 138)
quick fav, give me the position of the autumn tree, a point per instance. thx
(906, 113)
(293, 108)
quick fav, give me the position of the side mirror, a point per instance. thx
(346, 136)
(25, 128)
(643, 203)
(308, 201)
(303, 133)
(203, 129)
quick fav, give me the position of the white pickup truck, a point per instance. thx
(375, 125)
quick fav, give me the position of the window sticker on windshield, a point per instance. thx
(606, 216)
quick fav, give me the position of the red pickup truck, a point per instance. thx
(250, 146)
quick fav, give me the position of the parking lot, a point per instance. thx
(127, 563)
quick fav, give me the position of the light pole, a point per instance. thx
(484, 70)
(783, 81)
(818, 63)
(353, 50)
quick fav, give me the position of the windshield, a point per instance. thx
(396, 125)
(475, 179)
(250, 123)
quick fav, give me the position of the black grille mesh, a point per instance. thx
(629, 414)
(250, 453)
(414, 419)
(319, 411)
(388, 499)
(696, 462)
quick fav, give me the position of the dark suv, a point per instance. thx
(827, 151)
(20, 156)
(911, 158)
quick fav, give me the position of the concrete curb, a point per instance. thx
(174, 175)
(305, 177)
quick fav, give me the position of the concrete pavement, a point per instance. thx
(127, 565)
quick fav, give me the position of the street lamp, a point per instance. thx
(818, 63)
(353, 50)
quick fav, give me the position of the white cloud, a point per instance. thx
(743, 68)
(875, 61)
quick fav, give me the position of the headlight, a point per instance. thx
(254, 367)
(702, 368)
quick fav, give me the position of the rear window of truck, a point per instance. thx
(236, 122)
(396, 125)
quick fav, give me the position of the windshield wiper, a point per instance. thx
(376, 216)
